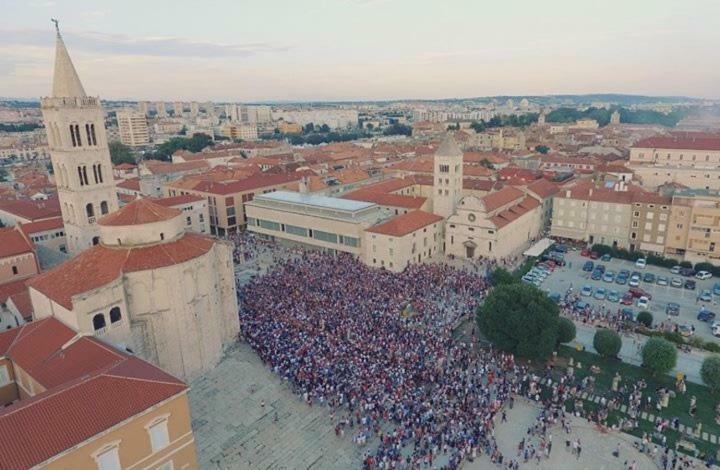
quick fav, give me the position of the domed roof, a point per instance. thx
(139, 212)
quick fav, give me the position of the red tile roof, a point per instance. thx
(405, 224)
(250, 183)
(14, 242)
(56, 223)
(100, 265)
(12, 288)
(33, 210)
(514, 212)
(125, 166)
(133, 184)
(162, 168)
(500, 198)
(686, 140)
(173, 201)
(138, 212)
(543, 188)
(92, 387)
(22, 302)
(387, 199)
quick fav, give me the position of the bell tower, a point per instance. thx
(448, 177)
(75, 127)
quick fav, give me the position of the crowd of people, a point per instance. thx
(377, 347)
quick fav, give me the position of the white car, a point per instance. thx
(634, 281)
(643, 303)
(641, 263)
(703, 275)
(716, 330)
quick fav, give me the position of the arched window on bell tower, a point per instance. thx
(95, 173)
(99, 166)
(80, 176)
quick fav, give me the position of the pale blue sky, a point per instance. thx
(364, 49)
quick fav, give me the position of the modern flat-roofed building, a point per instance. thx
(317, 221)
(694, 226)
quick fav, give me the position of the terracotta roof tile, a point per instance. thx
(687, 140)
(55, 223)
(543, 188)
(500, 198)
(22, 302)
(14, 242)
(32, 210)
(138, 212)
(404, 224)
(387, 199)
(132, 184)
(173, 201)
(100, 265)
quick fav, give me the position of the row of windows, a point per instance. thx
(108, 457)
(49, 236)
(75, 137)
(99, 318)
(305, 232)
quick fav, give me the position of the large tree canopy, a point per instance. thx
(521, 319)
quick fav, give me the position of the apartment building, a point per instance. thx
(133, 127)
(688, 158)
(650, 221)
(226, 199)
(241, 131)
(694, 226)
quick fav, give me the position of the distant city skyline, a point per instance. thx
(363, 49)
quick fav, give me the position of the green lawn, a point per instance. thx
(677, 407)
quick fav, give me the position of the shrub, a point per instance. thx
(686, 264)
(659, 355)
(712, 346)
(704, 266)
(710, 372)
(607, 343)
(645, 318)
(566, 330)
(501, 276)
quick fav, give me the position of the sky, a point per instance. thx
(303, 50)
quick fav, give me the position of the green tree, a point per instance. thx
(478, 126)
(398, 129)
(659, 355)
(501, 276)
(521, 319)
(566, 330)
(607, 343)
(543, 149)
(120, 153)
(645, 318)
(324, 128)
(710, 372)
(3, 174)
(308, 128)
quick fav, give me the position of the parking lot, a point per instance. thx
(572, 275)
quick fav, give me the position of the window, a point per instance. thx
(444, 168)
(294, 230)
(95, 174)
(109, 459)
(325, 236)
(115, 315)
(92, 134)
(104, 207)
(266, 224)
(89, 210)
(159, 438)
(162, 236)
(80, 176)
(4, 376)
(188, 220)
(14, 270)
(232, 221)
(98, 321)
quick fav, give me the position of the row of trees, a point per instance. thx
(519, 318)
(19, 127)
(512, 120)
(602, 115)
(196, 143)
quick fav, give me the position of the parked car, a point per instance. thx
(641, 263)
(600, 293)
(606, 257)
(580, 305)
(594, 255)
(716, 288)
(555, 297)
(588, 266)
(675, 269)
(621, 280)
(687, 272)
(627, 299)
(634, 281)
(643, 303)
(585, 252)
(705, 296)
(596, 275)
(705, 315)
(690, 284)
(624, 273)
(636, 292)
(609, 276)
(676, 282)
(662, 281)
(685, 330)
(649, 277)
(613, 296)
(702, 275)
(586, 290)
(628, 314)
(672, 309)
(560, 248)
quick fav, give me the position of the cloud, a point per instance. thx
(120, 44)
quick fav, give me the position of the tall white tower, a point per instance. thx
(75, 127)
(448, 177)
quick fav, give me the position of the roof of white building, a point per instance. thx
(323, 202)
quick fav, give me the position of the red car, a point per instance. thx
(636, 292)
(594, 255)
(627, 299)
(585, 252)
